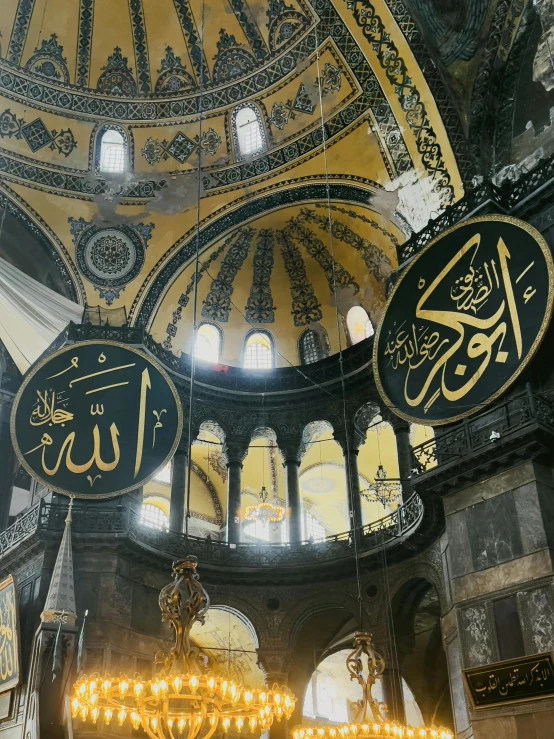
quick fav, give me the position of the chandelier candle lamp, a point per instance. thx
(264, 511)
(369, 722)
(383, 490)
(184, 699)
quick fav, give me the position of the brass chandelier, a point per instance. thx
(383, 490)
(264, 511)
(184, 699)
(369, 722)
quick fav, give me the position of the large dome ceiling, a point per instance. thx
(352, 113)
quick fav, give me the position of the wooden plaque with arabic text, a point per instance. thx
(96, 419)
(464, 320)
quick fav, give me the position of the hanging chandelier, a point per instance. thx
(369, 722)
(265, 512)
(184, 698)
(383, 490)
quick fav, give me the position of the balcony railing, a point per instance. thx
(124, 522)
(484, 430)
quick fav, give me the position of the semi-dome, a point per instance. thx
(267, 139)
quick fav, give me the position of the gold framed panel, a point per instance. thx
(491, 671)
(10, 644)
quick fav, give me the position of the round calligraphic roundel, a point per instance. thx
(110, 256)
(465, 318)
(96, 419)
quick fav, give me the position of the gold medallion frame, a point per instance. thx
(525, 361)
(71, 347)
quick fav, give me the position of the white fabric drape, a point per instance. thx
(31, 315)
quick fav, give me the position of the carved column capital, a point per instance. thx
(276, 664)
(235, 452)
(291, 448)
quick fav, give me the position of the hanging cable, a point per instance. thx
(355, 524)
(196, 265)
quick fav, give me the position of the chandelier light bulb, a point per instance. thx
(183, 693)
(369, 722)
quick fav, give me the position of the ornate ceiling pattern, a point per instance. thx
(361, 144)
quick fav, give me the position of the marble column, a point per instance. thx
(178, 485)
(393, 695)
(7, 462)
(235, 457)
(353, 486)
(404, 452)
(294, 503)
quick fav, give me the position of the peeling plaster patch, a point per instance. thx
(413, 198)
(344, 298)
(543, 64)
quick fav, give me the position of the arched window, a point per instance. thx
(359, 325)
(313, 346)
(248, 131)
(312, 529)
(111, 150)
(208, 342)
(164, 475)
(153, 517)
(258, 351)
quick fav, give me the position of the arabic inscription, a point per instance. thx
(464, 319)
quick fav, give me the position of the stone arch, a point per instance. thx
(416, 610)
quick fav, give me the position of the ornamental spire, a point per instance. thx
(60, 601)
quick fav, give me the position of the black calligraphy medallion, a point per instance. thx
(96, 419)
(465, 318)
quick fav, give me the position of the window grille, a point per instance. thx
(153, 517)
(258, 353)
(112, 152)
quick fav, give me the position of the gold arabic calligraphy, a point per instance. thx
(508, 683)
(45, 411)
(8, 635)
(420, 346)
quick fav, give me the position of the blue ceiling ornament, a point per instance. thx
(110, 257)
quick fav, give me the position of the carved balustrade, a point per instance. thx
(122, 520)
(489, 434)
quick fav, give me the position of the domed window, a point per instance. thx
(113, 151)
(359, 325)
(153, 517)
(313, 346)
(208, 342)
(258, 351)
(248, 130)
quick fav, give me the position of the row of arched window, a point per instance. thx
(259, 346)
(111, 143)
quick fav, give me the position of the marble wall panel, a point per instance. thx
(122, 600)
(494, 532)
(461, 561)
(457, 691)
(146, 617)
(538, 615)
(530, 518)
(475, 629)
